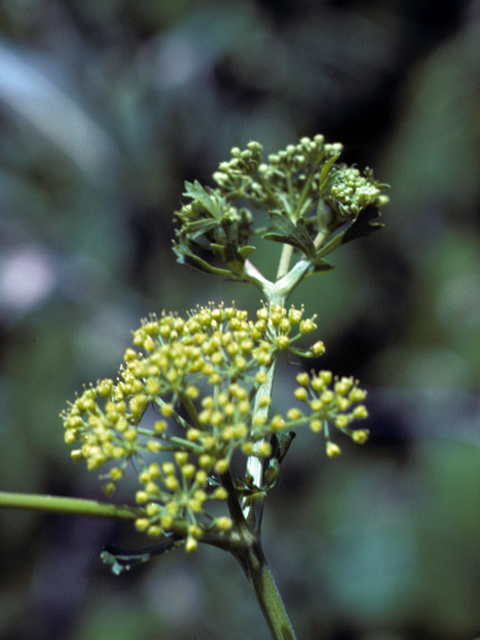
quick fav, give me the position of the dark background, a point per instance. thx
(106, 107)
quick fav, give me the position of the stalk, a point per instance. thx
(253, 506)
(276, 294)
(249, 554)
(284, 263)
(256, 569)
(70, 506)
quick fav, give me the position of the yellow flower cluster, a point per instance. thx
(211, 363)
(339, 405)
(177, 489)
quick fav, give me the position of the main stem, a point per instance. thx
(248, 521)
(249, 554)
(253, 506)
(256, 569)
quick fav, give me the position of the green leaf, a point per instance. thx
(363, 225)
(227, 252)
(280, 444)
(330, 246)
(321, 265)
(184, 256)
(246, 487)
(199, 227)
(326, 169)
(246, 251)
(294, 234)
(199, 193)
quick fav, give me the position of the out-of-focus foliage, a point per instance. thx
(106, 107)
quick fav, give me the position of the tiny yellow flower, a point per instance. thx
(221, 466)
(277, 423)
(360, 436)
(167, 521)
(341, 421)
(248, 448)
(191, 545)
(303, 379)
(300, 394)
(224, 523)
(181, 458)
(116, 474)
(154, 531)
(360, 412)
(333, 450)
(166, 410)
(265, 449)
(152, 488)
(283, 342)
(188, 470)
(108, 488)
(171, 483)
(168, 468)
(294, 414)
(318, 349)
(153, 509)
(141, 524)
(307, 326)
(220, 493)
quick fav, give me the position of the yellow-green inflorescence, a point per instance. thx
(201, 375)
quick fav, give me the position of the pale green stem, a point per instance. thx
(70, 506)
(253, 506)
(319, 238)
(285, 258)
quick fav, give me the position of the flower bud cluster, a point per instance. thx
(287, 171)
(351, 191)
(211, 362)
(309, 197)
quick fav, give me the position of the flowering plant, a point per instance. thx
(209, 376)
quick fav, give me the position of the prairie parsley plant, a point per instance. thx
(209, 375)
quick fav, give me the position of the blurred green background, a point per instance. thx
(106, 107)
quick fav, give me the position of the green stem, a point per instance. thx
(70, 506)
(305, 192)
(276, 295)
(256, 569)
(285, 258)
(94, 509)
(253, 505)
(249, 554)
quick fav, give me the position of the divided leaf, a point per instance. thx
(295, 234)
